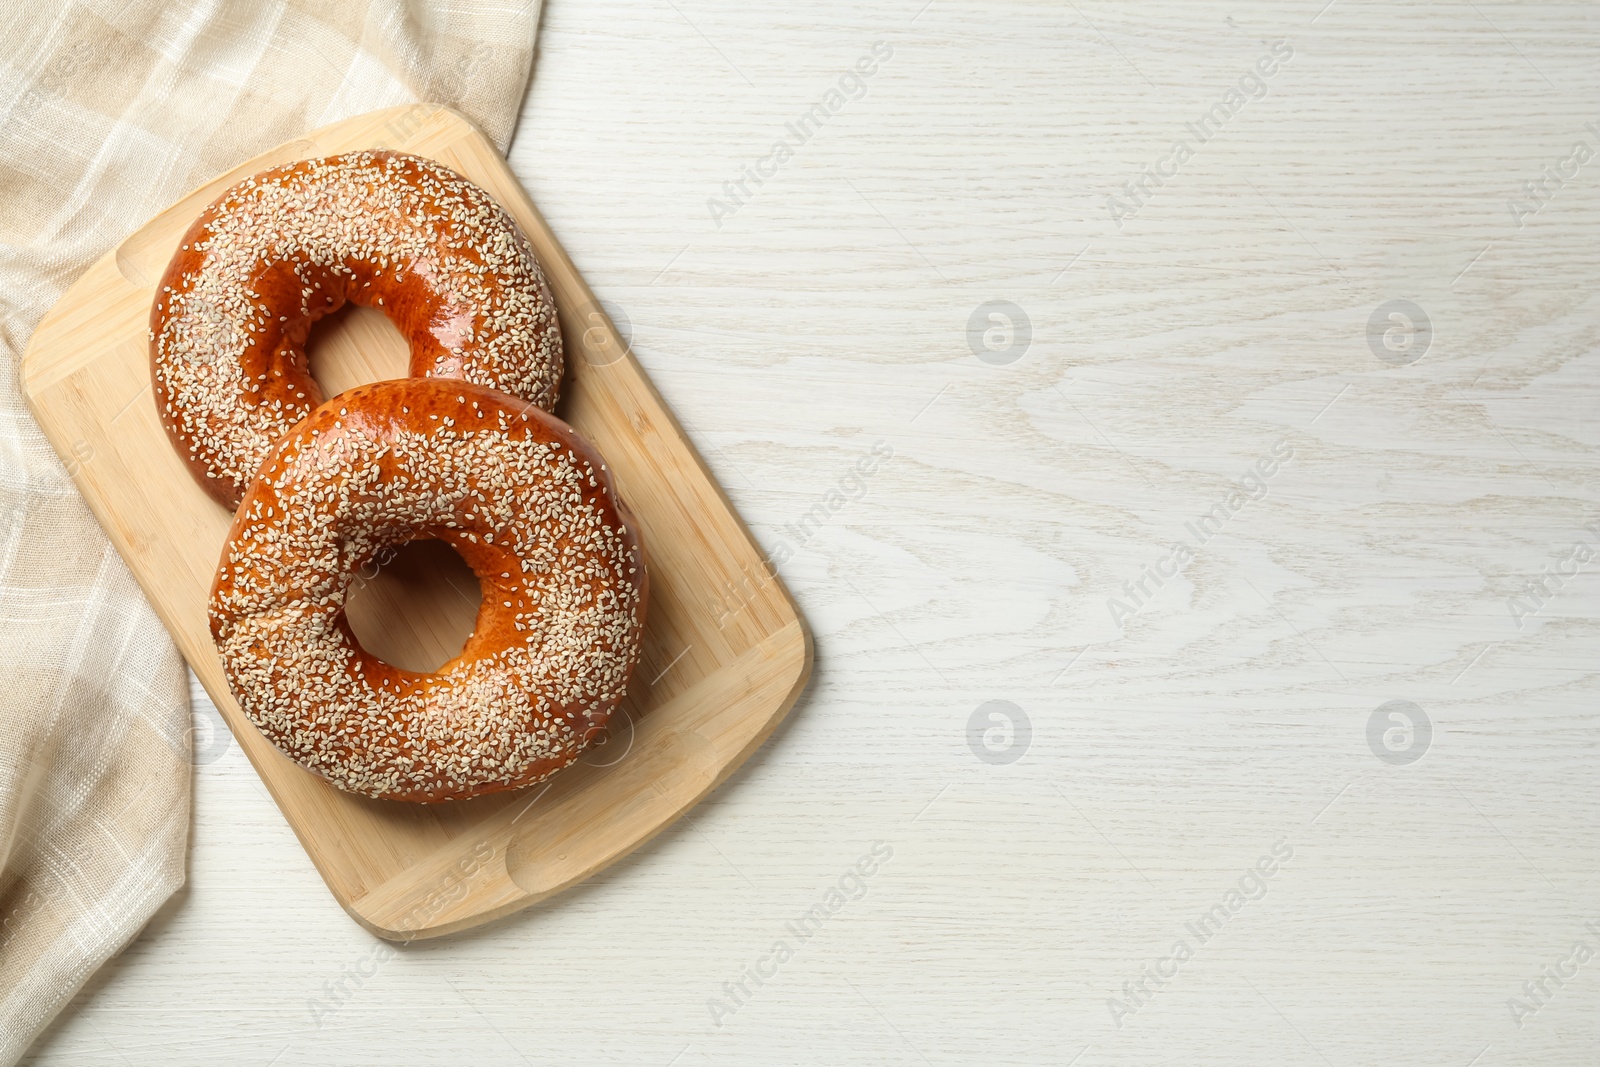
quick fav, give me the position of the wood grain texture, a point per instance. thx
(1169, 752)
(710, 687)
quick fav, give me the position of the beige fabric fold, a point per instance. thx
(109, 111)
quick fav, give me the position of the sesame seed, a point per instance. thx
(354, 226)
(565, 634)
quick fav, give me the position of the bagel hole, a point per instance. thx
(416, 610)
(353, 346)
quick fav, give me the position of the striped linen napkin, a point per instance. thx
(108, 113)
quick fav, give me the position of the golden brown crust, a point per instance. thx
(530, 507)
(287, 246)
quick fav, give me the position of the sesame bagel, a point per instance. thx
(531, 508)
(283, 248)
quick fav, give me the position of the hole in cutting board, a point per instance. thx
(353, 346)
(417, 611)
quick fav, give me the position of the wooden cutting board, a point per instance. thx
(725, 652)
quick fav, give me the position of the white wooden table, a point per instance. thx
(1156, 743)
